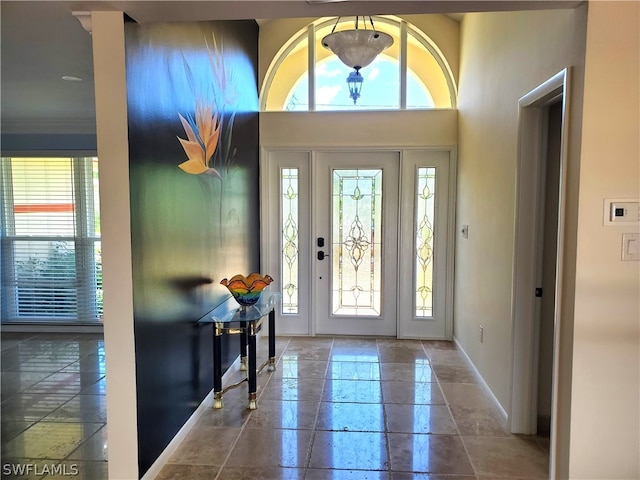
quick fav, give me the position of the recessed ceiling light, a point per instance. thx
(71, 78)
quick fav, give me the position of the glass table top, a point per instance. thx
(231, 311)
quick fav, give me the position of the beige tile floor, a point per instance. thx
(53, 406)
(356, 409)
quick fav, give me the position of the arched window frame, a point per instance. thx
(406, 29)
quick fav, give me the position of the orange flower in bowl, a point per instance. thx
(247, 290)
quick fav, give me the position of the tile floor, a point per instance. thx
(356, 409)
(53, 406)
(336, 408)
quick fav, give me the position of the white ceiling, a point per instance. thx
(41, 41)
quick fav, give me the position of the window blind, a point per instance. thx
(51, 265)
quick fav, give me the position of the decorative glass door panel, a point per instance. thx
(357, 242)
(290, 240)
(356, 212)
(424, 232)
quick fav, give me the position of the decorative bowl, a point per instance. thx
(247, 290)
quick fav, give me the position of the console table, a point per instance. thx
(231, 318)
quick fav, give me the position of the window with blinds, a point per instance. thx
(50, 244)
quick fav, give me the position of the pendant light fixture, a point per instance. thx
(354, 80)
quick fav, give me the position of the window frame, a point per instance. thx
(406, 29)
(87, 279)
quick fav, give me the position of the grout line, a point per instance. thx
(384, 414)
(446, 400)
(233, 446)
(307, 464)
(235, 442)
(246, 420)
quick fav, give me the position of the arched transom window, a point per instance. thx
(410, 74)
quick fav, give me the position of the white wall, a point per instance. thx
(605, 405)
(113, 150)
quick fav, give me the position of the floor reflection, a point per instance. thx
(349, 450)
(53, 405)
(335, 408)
(358, 409)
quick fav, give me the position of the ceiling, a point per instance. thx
(41, 41)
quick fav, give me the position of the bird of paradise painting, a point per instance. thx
(203, 133)
(208, 142)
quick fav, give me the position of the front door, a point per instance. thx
(356, 230)
(359, 242)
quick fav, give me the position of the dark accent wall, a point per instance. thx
(194, 219)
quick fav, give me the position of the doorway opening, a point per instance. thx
(547, 254)
(538, 258)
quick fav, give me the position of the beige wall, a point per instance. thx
(445, 33)
(503, 57)
(359, 129)
(272, 36)
(605, 419)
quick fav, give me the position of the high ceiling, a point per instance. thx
(42, 41)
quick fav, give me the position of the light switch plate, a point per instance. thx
(631, 246)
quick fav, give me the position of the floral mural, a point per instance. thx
(203, 133)
(208, 146)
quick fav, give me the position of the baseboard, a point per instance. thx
(173, 445)
(484, 385)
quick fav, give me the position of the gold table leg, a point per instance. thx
(272, 364)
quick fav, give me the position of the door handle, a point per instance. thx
(321, 255)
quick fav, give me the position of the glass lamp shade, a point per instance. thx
(357, 48)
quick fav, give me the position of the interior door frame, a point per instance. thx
(524, 314)
(269, 256)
